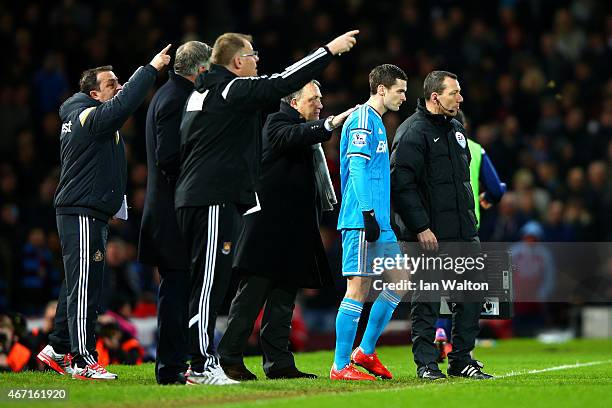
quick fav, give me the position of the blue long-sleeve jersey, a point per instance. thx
(494, 188)
(364, 169)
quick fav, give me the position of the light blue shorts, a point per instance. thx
(358, 255)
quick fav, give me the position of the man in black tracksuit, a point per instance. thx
(220, 148)
(433, 202)
(161, 243)
(90, 191)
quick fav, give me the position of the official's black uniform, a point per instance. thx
(280, 248)
(161, 243)
(430, 188)
(220, 149)
(90, 191)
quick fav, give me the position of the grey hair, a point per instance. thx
(297, 94)
(190, 57)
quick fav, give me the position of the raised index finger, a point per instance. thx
(165, 50)
(352, 33)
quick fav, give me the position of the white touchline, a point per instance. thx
(561, 367)
(511, 374)
(447, 383)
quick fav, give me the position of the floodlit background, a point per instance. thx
(535, 76)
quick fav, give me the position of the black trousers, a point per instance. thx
(210, 235)
(83, 240)
(172, 324)
(253, 293)
(465, 316)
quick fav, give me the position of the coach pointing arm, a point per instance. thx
(90, 190)
(257, 90)
(120, 101)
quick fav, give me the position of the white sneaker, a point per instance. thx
(214, 375)
(62, 363)
(93, 372)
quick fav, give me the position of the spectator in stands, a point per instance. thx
(38, 337)
(119, 278)
(556, 229)
(38, 273)
(561, 75)
(14, 356)
(534, 280)
(115, 346)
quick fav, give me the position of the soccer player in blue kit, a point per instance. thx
(365, 217)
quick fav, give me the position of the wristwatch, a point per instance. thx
(328, 124)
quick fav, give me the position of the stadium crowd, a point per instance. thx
(534, 74)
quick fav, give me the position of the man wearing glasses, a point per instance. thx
(220, 151)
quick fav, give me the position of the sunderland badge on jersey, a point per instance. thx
(460, 139)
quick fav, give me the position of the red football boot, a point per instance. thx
(350, 373)
(371, 363)
(441, 342)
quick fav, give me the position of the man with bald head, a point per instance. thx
(161, 243)
(294, 189)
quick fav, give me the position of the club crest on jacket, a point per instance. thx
(227, 247)
(98, 256)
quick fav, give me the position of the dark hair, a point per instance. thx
(297, 94)
(226, 47)
(434, 82)
(385, 74)
(89, 78)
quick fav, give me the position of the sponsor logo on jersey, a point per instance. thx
(382, 147)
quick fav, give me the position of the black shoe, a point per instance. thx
(430, 372)
(470, 370)
(287, 373)
(238, 372)
(178, 379)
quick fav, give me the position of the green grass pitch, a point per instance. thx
(573, 374)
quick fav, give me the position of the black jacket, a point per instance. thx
(161, 243)
(94, 167)
(430, 178)
(221, 131)
(282, 241)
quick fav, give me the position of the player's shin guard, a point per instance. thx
(381, 313)
(346, 329)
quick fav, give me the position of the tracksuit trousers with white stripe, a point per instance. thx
(210, 234)
(83, 240)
